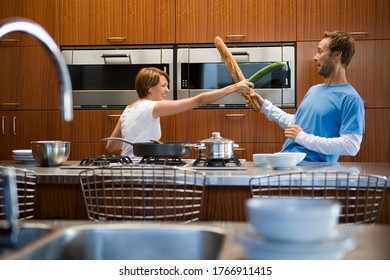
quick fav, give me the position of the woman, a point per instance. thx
(140, 121)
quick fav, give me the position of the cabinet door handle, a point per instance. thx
(112, 39)
(358, 33)
(10, 40)
(235, 36)
(9, 104)
(14, 126)
(114, 116)
(235, 115)
(3, 125)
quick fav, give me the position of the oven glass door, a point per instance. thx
(107, 77)
(216, 75)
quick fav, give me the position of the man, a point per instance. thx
(330, 120)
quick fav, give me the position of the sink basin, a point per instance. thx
(28, 234)
(127, 242)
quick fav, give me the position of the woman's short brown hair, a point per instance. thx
(146, 78)
(341, 41)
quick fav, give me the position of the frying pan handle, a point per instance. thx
(118, 139)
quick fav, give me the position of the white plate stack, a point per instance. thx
(335, 247)
(25, 156)
(294, 228)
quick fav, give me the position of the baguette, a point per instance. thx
(235, 71)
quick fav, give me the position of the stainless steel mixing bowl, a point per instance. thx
(50, 153)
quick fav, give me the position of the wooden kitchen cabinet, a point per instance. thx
(9, 77)
(116, 22)
(200, 21)
(90, 126)
(375, 145)
(28, 79)
(43, 12)
(86, 131)
(365, 19)
(9, 137)
(19, 128)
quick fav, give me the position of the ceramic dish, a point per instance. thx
(285, 161)
(22, 152)
(260, 160)
(26, 159)
(333, 248)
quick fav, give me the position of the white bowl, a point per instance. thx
(293, 219)
(285, 160)
(260, 159)
(299, 156)
(282, 161)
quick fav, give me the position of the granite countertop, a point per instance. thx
(67, 174)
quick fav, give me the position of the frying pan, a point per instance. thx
(153, 149)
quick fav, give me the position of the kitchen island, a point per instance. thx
(59, 194)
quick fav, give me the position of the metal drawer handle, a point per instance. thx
(358, 33)
(9, 104)
(114, 116)
(14, 125)
(235, 36)
(3, 125)
(116, 38)
(234, 115)
(9, 40)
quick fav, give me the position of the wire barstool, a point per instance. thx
(361, 196)
(26, 187)
(147, 193)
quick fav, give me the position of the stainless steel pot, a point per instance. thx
(217, 147)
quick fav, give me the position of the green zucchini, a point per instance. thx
(264, 71)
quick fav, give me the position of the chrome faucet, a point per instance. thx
(9, 25)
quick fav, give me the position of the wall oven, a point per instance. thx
(104, 77)
(201, 68)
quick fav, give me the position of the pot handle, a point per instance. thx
(196, 146)
(118, 139)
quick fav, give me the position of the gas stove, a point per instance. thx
(199, 163)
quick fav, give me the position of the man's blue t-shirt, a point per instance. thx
(328, 111)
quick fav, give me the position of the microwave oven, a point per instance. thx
(104, 77)
(201, 68)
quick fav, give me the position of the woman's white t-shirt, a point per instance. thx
(138, 125)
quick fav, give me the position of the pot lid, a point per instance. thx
(216, 138)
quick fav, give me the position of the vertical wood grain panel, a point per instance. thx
(200, 21)
(315, 17)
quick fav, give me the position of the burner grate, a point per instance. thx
(162, 161)
(104, 160)
(216, 162)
